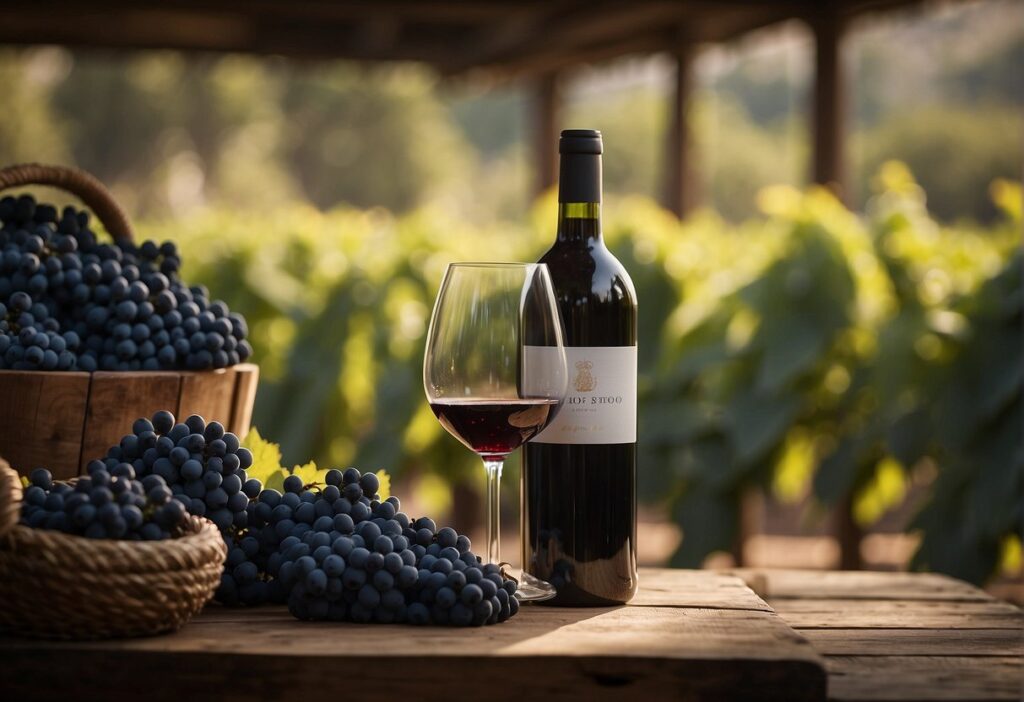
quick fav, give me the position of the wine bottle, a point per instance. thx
(579, 474)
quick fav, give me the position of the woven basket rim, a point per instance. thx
(200, 538)
(178, 553)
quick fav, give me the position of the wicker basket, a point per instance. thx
(55, 585)
(62, 420)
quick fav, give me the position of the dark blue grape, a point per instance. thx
(369, 483)
(293, 484)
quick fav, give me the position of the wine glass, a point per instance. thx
(494, 370)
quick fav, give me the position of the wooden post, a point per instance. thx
(829, 106)
(546, 105)
(751, 522)
(849, 535)
(679, 183)
(829, 117)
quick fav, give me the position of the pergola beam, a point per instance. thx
(504, 37)
(570, 28)
(158, 28)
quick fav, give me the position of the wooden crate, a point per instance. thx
(62, 421)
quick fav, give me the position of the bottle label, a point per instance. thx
(600, 402)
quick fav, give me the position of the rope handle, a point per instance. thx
(79, 183)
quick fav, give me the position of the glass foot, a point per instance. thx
(533, 589)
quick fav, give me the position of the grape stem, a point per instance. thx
(506, 572)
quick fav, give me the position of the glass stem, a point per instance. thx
(493, 470)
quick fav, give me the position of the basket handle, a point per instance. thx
(83, 185)
(10, 498)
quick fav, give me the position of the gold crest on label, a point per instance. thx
(585, 380)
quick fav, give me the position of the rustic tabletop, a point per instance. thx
(690, 635)
(901, 636)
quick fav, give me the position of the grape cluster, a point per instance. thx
(202, 464)
(340, 553)
(274, 517)
(103, 505)
(334, 551)
(68, 302)
(470, 594)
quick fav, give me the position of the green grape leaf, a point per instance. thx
(310, 474)
(266, 457)
(385, 484)
(792, 345)
(759, 422)
(275, 481)
(909, 435)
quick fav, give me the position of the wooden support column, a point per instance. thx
(829, 168)
(751, 523)
(849, 535)
(546, 105)
(679, 182)
(829, 107)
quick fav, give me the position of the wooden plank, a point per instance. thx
(665, 587)
(776, 584)
(913, 678)
(895, 614)
(117, 399)
(916, 642)
(210, 394)
(42, 417)
(247, 377)
(631, 652)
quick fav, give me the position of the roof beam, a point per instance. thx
(577, 26)
(503, 37)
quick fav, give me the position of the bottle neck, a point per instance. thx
(579, 198)
(579, 222)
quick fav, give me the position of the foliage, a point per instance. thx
(267, 468)
(168, 131)
(809, 349)
(851, 356)
(954, 152)
(977, 506)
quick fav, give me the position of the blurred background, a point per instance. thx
(831, 374)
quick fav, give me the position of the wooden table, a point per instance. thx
(688, 635)
(901, 636)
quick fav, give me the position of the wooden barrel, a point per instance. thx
(61, 421)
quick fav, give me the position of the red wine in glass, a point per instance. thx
(481, 386)
(494, 427)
